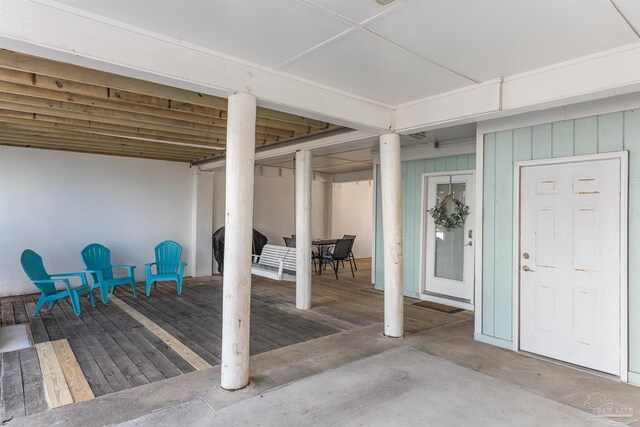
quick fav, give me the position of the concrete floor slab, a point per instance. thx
(14, 337)
(402, 386)
(194, 413)
(565, 384)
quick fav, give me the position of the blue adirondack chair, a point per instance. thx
(97, 258)
(168, 266)
(46, 283)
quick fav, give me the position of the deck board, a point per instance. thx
(77, 382)
(55, 385)
(12, 393)
(32, 381)
(92, 372)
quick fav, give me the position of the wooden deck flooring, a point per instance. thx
(116, 352)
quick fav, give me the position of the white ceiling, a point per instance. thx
(407, 50)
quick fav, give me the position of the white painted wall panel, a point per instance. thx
(56, 203)
(351, 214)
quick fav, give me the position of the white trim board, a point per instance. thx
(623, 156)
(479, 223)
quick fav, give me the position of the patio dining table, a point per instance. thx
(322, 244)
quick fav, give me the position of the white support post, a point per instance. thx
(236, 305)
(390, 181)
(303, 230)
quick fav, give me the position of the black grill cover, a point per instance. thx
(259, 240)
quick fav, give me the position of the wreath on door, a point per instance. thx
(449, 221)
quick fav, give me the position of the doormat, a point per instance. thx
(438, 307)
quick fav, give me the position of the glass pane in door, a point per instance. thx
(449, 253)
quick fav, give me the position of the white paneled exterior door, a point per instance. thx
(570, 262)
(449, 254)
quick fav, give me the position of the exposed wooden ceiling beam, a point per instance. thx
(54, 143)
(64, 74)
(107, 141)
(137, 154)
(45, 110)
(89, 127)
(68, 105)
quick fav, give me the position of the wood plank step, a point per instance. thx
(76, 381)
(55, 385)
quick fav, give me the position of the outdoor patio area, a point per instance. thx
(131, 342)
(124, 350)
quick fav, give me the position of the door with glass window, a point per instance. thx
(449, 252)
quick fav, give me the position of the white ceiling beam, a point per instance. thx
(288, 149)
(448, 109)
(610, 73)
(56, 32)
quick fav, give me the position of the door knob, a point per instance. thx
(469, 244)
(526, 268)
(525, 255)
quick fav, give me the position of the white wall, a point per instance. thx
(273, 203)
(56, 203)
(201, 222)
(352, 214)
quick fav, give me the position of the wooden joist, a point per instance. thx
(140, 154)
(89, 127)
(67, 77)
(105, 138)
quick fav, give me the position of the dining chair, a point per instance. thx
(339, 254)
(352, 237)
(290, 242)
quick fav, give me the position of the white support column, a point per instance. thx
(303, 230)
(390, 181)
(236, 305)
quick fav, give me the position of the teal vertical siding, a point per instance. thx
(379, 253)
(412, 215)
(598, 134)
(503, 213)
(586, 136)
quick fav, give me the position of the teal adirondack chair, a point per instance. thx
(97, 258)
(168, 266)
(46, 283)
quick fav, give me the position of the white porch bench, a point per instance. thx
(275, 262)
